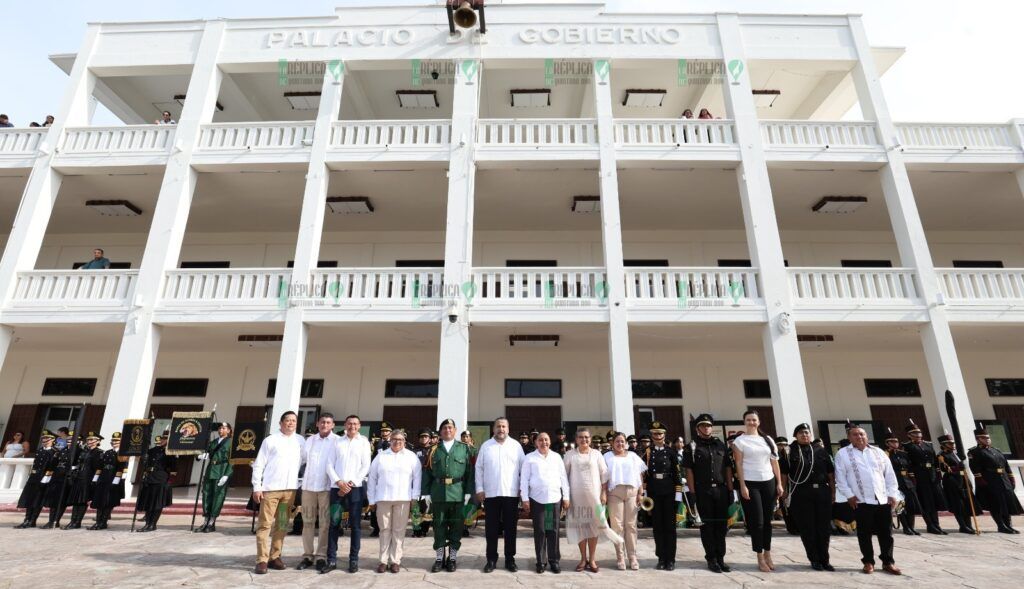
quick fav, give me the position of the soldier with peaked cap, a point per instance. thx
(157, 471)
(905, 481)
(83, 474)
(809, 476)
(447, 483)
(108, 490)
(56, 494)
(995, 481)
(39, 478)
(924, 464)
(709, 475)
(422, 451)
(215, 480)
(954, 483)
(665, 487)
(560, 444)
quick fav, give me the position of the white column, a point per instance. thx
(307, 248)
(611, 239)
(936, 337)
(782, 353)
(136, 360)
(44, 182)
(453, 369)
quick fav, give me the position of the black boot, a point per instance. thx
(202, 529)
(213, 525)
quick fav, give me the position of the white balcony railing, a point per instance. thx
(802, 134)
(256, 136)
(20, 141)
(539, 285)
(415, 133)
(849, 285)
(378, 285)
(982, 285)
(13, 475)
(74, 287)
(537, 133)
(680, 286)
(128, 139)
(673, 132)
(236, 286)
(956, 136)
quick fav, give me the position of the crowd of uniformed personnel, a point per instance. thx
(697, 479)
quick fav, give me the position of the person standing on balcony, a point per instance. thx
(275, 478)
(98, 261)
(497, 489)
(49, 121)
(166, 119)
(925, 466)
(348, 473)
(18, 447)
(5, 122)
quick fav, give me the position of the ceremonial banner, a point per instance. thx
(136, 435)
(246, 442)
(190, 433)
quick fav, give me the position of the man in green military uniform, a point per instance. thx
(447, 483)
(215, 481)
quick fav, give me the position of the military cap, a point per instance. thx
(657, 427)
(946, 439)
(424, 432)
(645, 437)
(890, 435)
(980, 430)
(598, 440)
(386, 427)
(803, 427)
(115, 437)
(524, 434)
(911, 427)
(90, 435)
(705, 418)
(784, 439)
(47, 434)
(448, 421)
(534, 431)
(631, 438)
(560, 432)
(610, 434)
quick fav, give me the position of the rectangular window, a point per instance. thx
(180, 387)
(757, 389)
(646, 263)
(977, 264)
(69, 387)
(410, 389)
(657, 389)
(866, 263)
(419, 263)
(113, 265)
(892, 387)
(319, 264)
(197, 265)
(312, 388)
(531, 263)
(733, 263)
(1005, 387)
(523, 388)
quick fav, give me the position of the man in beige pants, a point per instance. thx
(392, 486)
(275, 478)
(318, 451)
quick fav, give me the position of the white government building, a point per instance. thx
(366, 212)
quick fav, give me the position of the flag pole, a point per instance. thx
(71, 464)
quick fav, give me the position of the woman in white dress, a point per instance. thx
(17, 447)
(587, 521)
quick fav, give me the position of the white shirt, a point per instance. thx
(866, 474)
(352, 461)
(497, 468)
(277, 463)
(625, 470)
(757, 457)
(318, 452)
(448, 445)
(394, 477)
(543, 478)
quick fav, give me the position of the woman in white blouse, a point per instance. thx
(392, 485)
(544, 489)
(757, 469)
(625, 490)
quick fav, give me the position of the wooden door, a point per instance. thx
(412, 418)
(546, 418)
(767, 415)
(670, 416)
(184, 476)
(27, 419)
(1013, 417)
(93, 419)
(896, 416)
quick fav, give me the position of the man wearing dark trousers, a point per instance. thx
(925, 466)
(665, 487)
(497, 489)
(709, 476)
(954, 483)
(348, 474)
(865, 478)
(808, 475)
(995, 481)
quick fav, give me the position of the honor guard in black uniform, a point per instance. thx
(905, 479)
(56, 493)
(157, 471)
(665, 487)
(809, 477)
(708, 467)
(954, 483)
(561, 445)
(83, 475)
(925, 466)
(994, 480)
(422, 451)
(32, 495)
(108, 490)
(632, 443)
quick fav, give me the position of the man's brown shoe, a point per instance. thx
(892, 569)
(261, 568)
(382, 568)
(276, 564)
(868, 569)
(394, 567)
